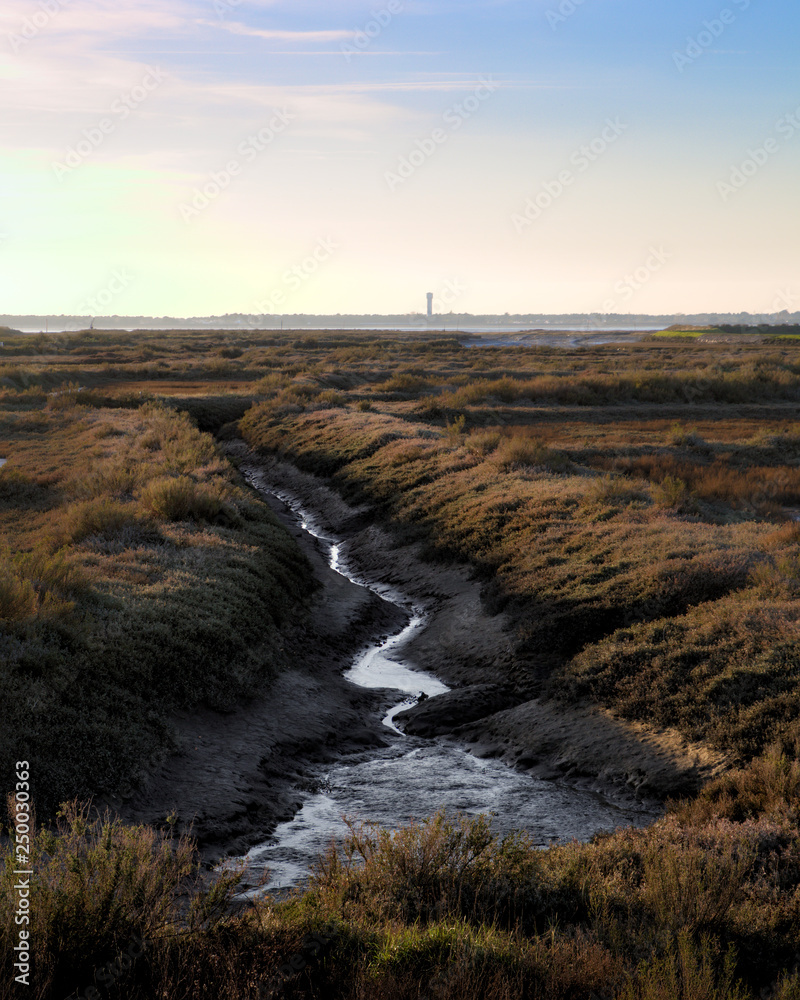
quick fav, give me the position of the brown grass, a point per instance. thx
(622, 505)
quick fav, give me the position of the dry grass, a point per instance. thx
(135, 570)
(597, 522)
(623, 506)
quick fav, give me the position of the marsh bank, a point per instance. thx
(237, 776)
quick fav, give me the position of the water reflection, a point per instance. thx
(413, 778)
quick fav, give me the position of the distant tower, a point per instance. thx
(430, 304)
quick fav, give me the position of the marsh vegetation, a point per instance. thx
(629, 510)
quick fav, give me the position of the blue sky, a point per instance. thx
(188, 157)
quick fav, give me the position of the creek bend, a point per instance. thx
(412, 777)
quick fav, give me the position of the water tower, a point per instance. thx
(430, 304)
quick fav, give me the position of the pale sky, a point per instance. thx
(192, 157)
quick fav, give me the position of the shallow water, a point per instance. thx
(412, 777)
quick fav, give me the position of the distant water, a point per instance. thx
(441, 325)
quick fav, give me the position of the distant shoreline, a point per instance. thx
(467, 323)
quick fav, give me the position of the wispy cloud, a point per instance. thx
(120, 18)
(338, 53)
(276, 35)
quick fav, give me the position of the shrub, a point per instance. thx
(14, 484)
(615, 490)
(99, 886)
(671, 493)
(271, 384)
(211, 413)
(330, 397)
(528, 452)
(689, 971)
(483, 442)
(694, 888)
(683, 437)
(17, 595)
(104, 518)
(434, 869)
(767, 786)
(787, 534)
(112, 479)
(180, 499)
(456, 428)
(37, 581)
(404, 382)
(20, 490)
(778, 577)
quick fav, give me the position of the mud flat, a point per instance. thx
(472, 651)
(234, 777)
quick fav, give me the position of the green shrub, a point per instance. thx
(113, 479)
(683, 437)
(694, 888)
(690, 971)
(456, 428)
(767, 786)
(405, 383)
(787, 987)
(183, 447)
(330, 397)
(20, 490)
(671, 493)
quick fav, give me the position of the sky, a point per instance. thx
(202, 157)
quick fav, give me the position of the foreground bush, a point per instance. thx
(108, 903)
(438, 869)
(696, 907)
